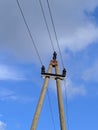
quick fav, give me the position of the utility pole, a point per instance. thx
(57, 77)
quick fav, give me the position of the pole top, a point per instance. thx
(54, 55)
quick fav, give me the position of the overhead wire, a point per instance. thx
(37, 52)
(60, 57)
(55, 32)
(45, 20)
(46, 24)
(29, 32)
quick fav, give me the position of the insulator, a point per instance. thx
(54, 55)
(64, 72)
(43, 69)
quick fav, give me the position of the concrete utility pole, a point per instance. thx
(57, 77)
(41, 99)
(60, 101)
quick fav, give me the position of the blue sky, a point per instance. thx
(20, 80)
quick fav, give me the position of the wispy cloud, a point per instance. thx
(70, 89)
(9, 95)
(81, 38)
(91, 74)
(7, 73)
(2, 125)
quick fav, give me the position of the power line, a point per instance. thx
(29, 32)
(51, 109)
(46, 25)
(55, 32)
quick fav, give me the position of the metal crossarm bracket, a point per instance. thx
(54, 63)
(53, 76)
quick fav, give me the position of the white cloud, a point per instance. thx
(81, 38)
(9, 95)
(7, 73)
(2, 125)
(75, 30)
(72, 90)
(91, 74)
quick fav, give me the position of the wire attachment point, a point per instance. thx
(54, 55)
(64, 72)
(42, 69)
